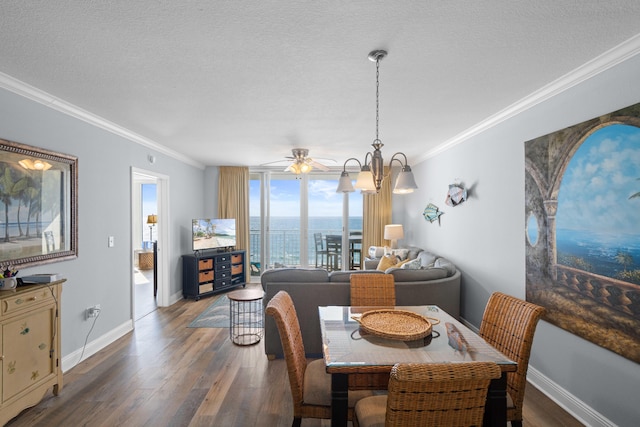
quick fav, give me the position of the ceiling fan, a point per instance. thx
(300, 162)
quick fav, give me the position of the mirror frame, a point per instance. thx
(52, 177)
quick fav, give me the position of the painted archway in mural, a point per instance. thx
(582, 232)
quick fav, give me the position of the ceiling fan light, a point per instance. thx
(295, 168)
(305, 168)
(345, 185)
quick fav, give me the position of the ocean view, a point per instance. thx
(598, 252)
(285, 237)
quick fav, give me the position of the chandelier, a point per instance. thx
(371, 174)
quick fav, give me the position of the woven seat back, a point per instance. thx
(377, 290)
(509, 324)
(439, 394)
(284, 313)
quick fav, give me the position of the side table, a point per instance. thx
(246, 324)
(145, 260)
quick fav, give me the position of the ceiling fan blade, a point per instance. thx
(317, 165)
(274, 162)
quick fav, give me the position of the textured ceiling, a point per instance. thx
(244, 82)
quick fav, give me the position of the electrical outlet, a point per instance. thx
(92, 311)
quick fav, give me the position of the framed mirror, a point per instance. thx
(38, 206)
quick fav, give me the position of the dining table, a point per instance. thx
(350, 349)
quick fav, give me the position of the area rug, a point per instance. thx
(214, 316)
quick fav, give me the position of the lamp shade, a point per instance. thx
(393, 232)
(345, 185)
(365, 181)
(152, 219)
(405, 183)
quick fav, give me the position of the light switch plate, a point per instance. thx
(111, 241)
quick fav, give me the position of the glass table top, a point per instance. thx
(346, 345)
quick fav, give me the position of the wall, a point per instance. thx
(485, 237)
(102, 275)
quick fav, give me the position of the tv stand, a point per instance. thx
(207, 273)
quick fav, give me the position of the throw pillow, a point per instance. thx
(400, 253)
(412, 265)
(401, 263)
(387, 261)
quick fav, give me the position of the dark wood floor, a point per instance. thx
(165, 374)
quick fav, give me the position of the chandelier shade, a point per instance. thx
(372, 174)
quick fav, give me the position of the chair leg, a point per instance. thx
(297, 422)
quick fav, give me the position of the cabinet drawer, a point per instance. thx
(219, 284)
(236, 269)
(223, 266)
(236, 259)
(205, 276)
(25, 300)
(223, 258)
(205, 264)
(223, 274)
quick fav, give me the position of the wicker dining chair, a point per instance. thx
(430, 394)
(310, 383)
(508, 324)
(372, 290)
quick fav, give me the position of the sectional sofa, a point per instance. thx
(436, 283)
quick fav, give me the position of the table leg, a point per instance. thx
(339, 400)
(495, 411)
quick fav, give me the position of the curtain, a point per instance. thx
(233, 202)
(377, 214)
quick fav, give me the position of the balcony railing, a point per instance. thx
(285, 247)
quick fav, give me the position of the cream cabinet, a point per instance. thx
(30, 339)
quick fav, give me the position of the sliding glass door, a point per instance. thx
(287, 211)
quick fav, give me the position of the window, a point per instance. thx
(286, 210)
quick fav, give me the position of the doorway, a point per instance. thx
(148, 225)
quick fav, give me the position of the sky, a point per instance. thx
(285, 198)
(600, 178)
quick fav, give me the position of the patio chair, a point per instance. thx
(310, 383)
(321, 252)
(508, 324)
(430, 394)
(334, 251)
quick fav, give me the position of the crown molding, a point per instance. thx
(609, 59)
(34, 94)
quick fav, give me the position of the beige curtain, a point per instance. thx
(233, 202)
(377, 214)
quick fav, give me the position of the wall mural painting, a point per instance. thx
(582, 213)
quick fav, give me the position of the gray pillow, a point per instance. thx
(427, 259)
(445, 264)
(413, 252)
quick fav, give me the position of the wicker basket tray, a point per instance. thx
(395, 324)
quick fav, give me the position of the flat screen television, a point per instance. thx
(214, 233)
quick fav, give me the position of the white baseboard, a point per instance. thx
(570, 403)
(96, 345)
(175, 298)
(567, 401)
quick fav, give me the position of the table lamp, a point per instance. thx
(393, 232)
